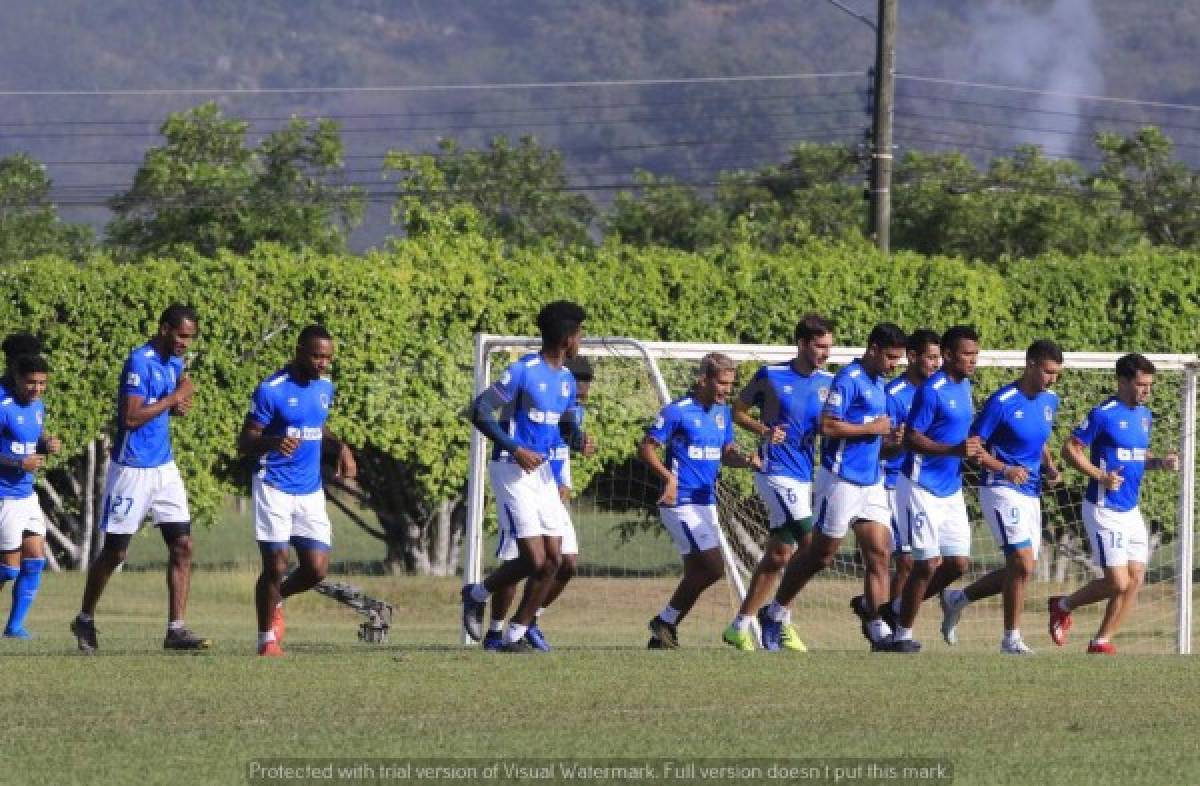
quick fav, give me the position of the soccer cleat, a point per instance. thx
(85, 635)
(740, 640)
(1101, 648)
(858, 606)
(906, 646)
(519, 647)
(1060, 621)
(17, 633)
(270, 649)
(278, 627)
(533, 635)
(1015, 647)
(771, 630)
(472, 618)
(184, 639)
(789, 639)
(950, 617)
(664, 633)
(493, 641)
(889, 616)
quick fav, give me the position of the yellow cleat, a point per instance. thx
(740, 640)
(789, 639)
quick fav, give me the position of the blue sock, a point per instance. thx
(24, 591)
(7, 574)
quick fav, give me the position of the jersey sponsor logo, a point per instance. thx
(1131, 454)
(132, 379)
(308, 433)
(541, 416)
(22, 448)
(698, 453)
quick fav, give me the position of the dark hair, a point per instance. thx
(811, 326)
(1042, 350)
(886, 335)
(311, 332)
(30, 364)
(17, 344)
(921, 338)
(176, 314)
(581, 368)
(559, 320)
(1129, 365)
(956, 334)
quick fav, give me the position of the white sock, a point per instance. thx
(495, 626)
(787, 615)
(1063, 605)
(777, 612)
(514, 633)
(1012, 635)
(1099, 641)
(878, 630)
(669, 615)
(538, 614)
(175, 625)
(741, 622)
(479, 593)
(957, 599)
(265, 636)
(902, 633)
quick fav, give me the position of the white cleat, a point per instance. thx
(950, 616)
(1015, 647)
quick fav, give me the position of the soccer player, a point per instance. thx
(1015, 425)
(142, 476)
(23, 449)
(285, 430)
(560, 465)
(789, 397)
(697, 433)
(848, 487)
(933, 513)
(536, 395)
(1116, 438)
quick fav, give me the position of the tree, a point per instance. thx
(204, 188)
(521, 192)
(29, 223)
(665, 213)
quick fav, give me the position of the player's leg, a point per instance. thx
(920, 519)
(169, 507)
(693, 528)
(875, 544)
(25, 587)
(568, 560)
(1018, 565)
(501, 603)
(1137, 578)
(267, 595)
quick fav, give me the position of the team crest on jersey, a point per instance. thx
(1145, 423)
(696, 422)
(566, 388)
(541, 387)
(20, 420)
(132, 379)
(822, 394)
(834, 398)
(293, 401)
(1019, 414)
(952, 403)
(720, 421)
(787, 390)
(38, 417)
(1049, 413)
(325, 400)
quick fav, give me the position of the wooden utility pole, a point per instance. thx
(881, 151)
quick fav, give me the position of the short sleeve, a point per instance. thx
(509, 384)
(1089, 428)
(755, 392)
(841, 394)
(988, 419)
(924, 409)
(664, 425)
(135, 377)
(261, 410)
(728, 440)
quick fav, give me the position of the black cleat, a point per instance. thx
(905, 646)
(184, 639)
(518, 647)
(85, 635)
(472, 614)
(856, 606)
(889, 616)
(664, 633)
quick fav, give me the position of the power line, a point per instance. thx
(1055, 93)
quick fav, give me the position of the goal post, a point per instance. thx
(627, 566)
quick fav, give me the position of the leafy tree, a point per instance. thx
(204, 188)
(665, 213)
(521, 191)
(29, 223)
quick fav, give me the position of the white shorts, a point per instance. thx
(934, 526)
(787, 499)
(692, 527)
(839, 503)
(281, 518)
(18, 516)
(132, 492)
(506, 548)
(528, 503)
(900, 544)
(1014, 518)
(1116, 537)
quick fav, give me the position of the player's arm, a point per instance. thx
(347, 467)
(253, 442)
(1050, 469)
(834, 427)
(732, 456)
(648, 453)
(574, 435)
(135, 412)
(1167, 463)
(1074, 452)
(483, 417)
(49, 444)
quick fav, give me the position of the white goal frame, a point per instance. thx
(652, 351)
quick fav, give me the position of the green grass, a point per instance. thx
(137, 714)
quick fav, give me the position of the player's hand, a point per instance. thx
(52, 445)
(895, 437)
(776, 435)
(347, 467)
(1112, 480)
(670, 492)
(564, 493)
(288, 445)
(1169, 462)
(528, 460)
(182, 407)
(1016, 474)
(1051, 475)
(972, 448)
(33, 463)
(588, 449)
(754, 461)
(184, 390)
(880, 426)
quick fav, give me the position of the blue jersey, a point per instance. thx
(942, 410)
(20, 431)
(536, 396)
(900, 392)
(286, 408)
(856, 398)
(695, 439)
(561, 455)
(787, 398)
(1119, 437)
(153, 377)
(1014, 428)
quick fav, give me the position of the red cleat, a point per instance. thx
(1060, 621)
(277, 625)
(1101, 648)
(271, 650)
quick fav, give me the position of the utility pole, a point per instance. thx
(881, 152)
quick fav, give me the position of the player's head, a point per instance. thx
(15, 345)
(814, 339)
(960, 348)
(581, 368)
(30, 374)
(1135, 377)
(924, 353)
(886, 346)
(177, 328)
(1043, 363)
(717, 375)
(314, 351)
(561, 326)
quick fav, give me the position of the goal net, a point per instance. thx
(628, 566)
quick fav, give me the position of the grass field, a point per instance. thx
(138, 715)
